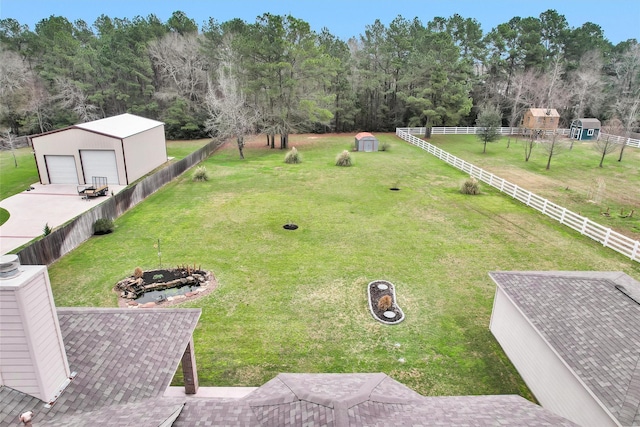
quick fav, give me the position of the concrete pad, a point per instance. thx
(53, 204)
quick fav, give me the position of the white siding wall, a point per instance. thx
(550, 380)
(144, 152)
(32, 354)
(70, 142)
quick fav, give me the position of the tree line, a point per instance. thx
(277, 76)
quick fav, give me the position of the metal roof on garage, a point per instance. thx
(121, 126)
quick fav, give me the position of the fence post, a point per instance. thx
(584, 226)
(634, 253)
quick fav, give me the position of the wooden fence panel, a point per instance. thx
(609, 238)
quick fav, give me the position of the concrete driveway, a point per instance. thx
(53, 204)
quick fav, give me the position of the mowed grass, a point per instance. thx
(295, 301)
(574, 179)
(14, 180)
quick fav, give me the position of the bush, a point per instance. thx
(293, 157)
(201, 174)
(137, 273)
(46, 230)
(470, 186)
(385, 303)
(344, 159)
(103, 226)
(384, 146)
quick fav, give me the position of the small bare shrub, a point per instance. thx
(384, 146)
(201, 174)
(470, 186)
(293, 157)
(385, 303)
(137, 273)
(344, 159)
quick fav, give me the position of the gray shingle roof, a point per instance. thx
(120, 356)
(591, 325)
(125, 359)
(589, 123)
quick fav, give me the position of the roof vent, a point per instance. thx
(9, 266)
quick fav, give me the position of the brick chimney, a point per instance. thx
(32, 355)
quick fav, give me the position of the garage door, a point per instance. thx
(61, 169)
(100, 163)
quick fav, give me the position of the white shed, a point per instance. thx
(122, 148)
(574, 338)
(365, 141)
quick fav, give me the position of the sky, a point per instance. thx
(619, 19)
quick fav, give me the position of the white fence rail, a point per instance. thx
(604, 235)
(631, 142)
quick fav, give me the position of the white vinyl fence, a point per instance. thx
(631, 142)
(597, 232)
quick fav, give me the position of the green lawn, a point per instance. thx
(295, 301)
(14, 180)
(574, 180)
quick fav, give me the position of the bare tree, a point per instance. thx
(628, 108)
(606, 144)
(180, 65)
(229, 113)
(517, 98)
(587, 84)
(13, 80)
(39, 100)
(71, 96)
(627, 83)
(553, 145)
(9, 139)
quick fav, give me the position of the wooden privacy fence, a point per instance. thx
(604, 235)
(68, 237)
(631, 142)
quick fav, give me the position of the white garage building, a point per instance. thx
(574, 337)
(122, 148)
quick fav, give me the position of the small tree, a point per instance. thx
(9, 139)
(488, 123)
(553, 147)
(606, 144)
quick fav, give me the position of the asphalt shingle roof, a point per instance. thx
(126, 358)
(591, 325)
(590, 123)
(120, 355)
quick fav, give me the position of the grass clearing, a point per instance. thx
(296, 301)
(574, 180)
(14, 180)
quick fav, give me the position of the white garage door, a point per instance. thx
(61, 169)
(99, 163)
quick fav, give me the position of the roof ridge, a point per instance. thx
(630, 408)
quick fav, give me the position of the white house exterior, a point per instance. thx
(122, 148)
(32, 355)
(574, 337)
